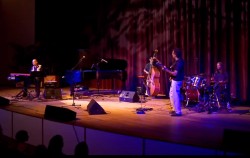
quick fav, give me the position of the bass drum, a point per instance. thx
(192, 94)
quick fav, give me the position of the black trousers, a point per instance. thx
(223, 93)
(36, 81)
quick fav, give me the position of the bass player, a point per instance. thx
(147, 72)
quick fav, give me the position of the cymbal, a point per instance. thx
(199, 75)
(140, 76)
(187, 78)
(202, 74)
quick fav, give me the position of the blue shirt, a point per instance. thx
(179, 67)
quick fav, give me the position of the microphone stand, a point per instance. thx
(74, 83)
(98, 80)
(78, 63)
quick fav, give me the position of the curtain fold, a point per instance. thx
(207, 31)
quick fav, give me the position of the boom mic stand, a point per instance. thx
(140, 92)
(98, 80)
(74, 82)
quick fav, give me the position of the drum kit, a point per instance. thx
(199, 89)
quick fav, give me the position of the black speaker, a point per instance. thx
(52, 93)
(236, 141)
(59, 114)
(94, 108)
(4, 101)
(129, 96)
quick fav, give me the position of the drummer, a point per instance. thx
(220, 79)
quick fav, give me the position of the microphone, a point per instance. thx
(102, 60)
(82, 58)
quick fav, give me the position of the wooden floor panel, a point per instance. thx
(193, 128)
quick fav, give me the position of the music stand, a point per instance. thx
(36, 74)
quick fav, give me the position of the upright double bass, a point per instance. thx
(153, 78)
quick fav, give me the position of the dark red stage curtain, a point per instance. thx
(208, 31)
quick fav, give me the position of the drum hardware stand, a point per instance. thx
(226, 102)
(201, 107)
(213, 98)
(187, 102)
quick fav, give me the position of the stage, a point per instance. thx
(198, 129)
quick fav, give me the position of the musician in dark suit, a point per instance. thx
(36, 75)
(177, 77)
(221, 87)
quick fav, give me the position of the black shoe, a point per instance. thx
(175, 114)
(171, 112)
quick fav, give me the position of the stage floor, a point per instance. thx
(193, 128)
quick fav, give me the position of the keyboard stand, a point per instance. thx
(20, 95)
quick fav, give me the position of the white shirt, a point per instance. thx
(36, 68)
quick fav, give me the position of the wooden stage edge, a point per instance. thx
(194, 128)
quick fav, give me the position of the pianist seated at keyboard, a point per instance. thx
(36, 76)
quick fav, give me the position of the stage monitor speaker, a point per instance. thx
(52, 93)
(59, 114)
(4, 101)
(94, 108)
(129, 96)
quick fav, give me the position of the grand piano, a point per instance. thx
(112, 69)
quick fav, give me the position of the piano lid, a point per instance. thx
(112, 69)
